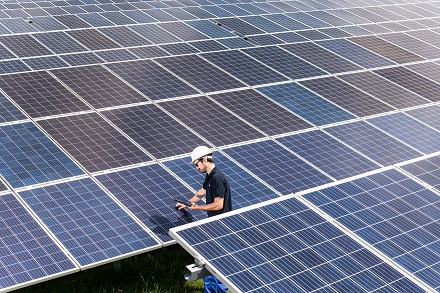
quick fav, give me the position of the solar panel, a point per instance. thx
(284, 62)
(410, 131)
(199, 73)
(346, 96)
(88, 222)
(327, 60)
(426, 170)
(29, 157)
(8, 111)
(148, 192)
(28, 253)
(39, 94)
(373, 143)
(179, 48)
(413, 45)
(305, 103)
(239, 26)
(124, 36)
(355, 53)
(93, 142)
(59, 42)
(384, 90)
(429, 70)
(386, 49)
(154, 130)
(259, 111)
(393, 213)
(284, 246)
(151, 79)
(223, 128)
(275, 165)
(328, 154)
(428, 115)
(24, 45)
(45, 62)
(93, 39)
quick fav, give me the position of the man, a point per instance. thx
(217, 191)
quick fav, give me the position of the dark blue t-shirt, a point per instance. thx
(216, 185)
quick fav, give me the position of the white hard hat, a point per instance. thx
(199, 152)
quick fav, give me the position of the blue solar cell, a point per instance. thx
(328, 154)
(278, 167)
(355, 53)
(87, 221)
(373, 143)
(286, 22)
(8, 111)
(48, 23)
(148, 192)
(81, 58)
(155, 34)
(245, 189)
(264, 24)
(336, 263)
(235, 10)
(410, 131)
(95, 19)
(29, 157)
(27, 252)
(235, 43)
(306, 104)
(394, 231)
(180, 14)
(308, 20)
(45, 62)
(139, 16)
(116, 55)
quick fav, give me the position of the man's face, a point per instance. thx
(200, 165)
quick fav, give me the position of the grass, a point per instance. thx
(158, 271)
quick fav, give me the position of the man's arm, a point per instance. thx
(197, 196)
(215, 206)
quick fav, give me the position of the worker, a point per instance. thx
(217, 191)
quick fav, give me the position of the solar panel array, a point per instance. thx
(324, 115)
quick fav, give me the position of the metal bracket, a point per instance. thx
(197, 271)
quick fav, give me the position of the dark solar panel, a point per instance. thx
(199, 73)
(59, 42)
(148, 52)
(179, 48)
(355, 53)
(39, 94)
(384, 90)
(386, 49)
(124, 36)
(223, 128)
(346, 96)
(263, 24)
(427, 170)
(284, 62)
(148, 192)
(286, 21)
(313, 35)
(93, 39)
(96, 19)
(328, 154)
(210, 29)
(29, 157)
(308, 20)
(116, 55)
(208, 46)
(287, 247)
(373, 143)
(410, 131)
(87, 221)
(48, 23)
(306, 104)
(118, 18)
(93, 142)
(24, 45)
(244, 67)
(11, 66)
(328, 18)
(28, 252)
(5, 53)
(427, 36)
(81, 58)
(17, 26)
(155, 34)
(261, 112)
(395, 214)
(151, 79)
(277, 166)
(412, 81)
(98, 86)
(321, 57)
(371, 16)
(154, 130)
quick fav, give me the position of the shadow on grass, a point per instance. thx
(159, 271)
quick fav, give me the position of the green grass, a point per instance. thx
(158, 271)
